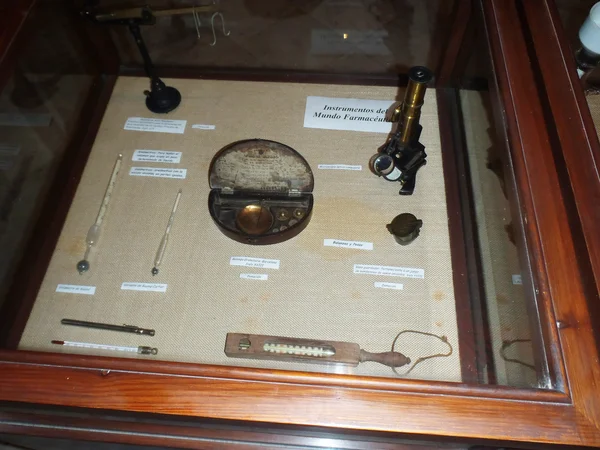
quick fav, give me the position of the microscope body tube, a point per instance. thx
(410, 110)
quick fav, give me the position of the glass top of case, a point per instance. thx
(409, 262)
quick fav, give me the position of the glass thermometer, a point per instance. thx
(93, 233)
(142, 349)
(160, 253)
(257, 346)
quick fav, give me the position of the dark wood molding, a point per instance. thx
(154, 430)
(579, 157)
(205, 434)
(288, 398)
(574, 124)
(453, 58)
(11, 20)
(527, 241)
(272, 75)
(560, 285)
(285, 76)
(106, 365)
(97, 40)
(520, 113)
(13, 16)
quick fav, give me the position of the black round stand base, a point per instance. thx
(163, 100)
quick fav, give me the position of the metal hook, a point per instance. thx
(212, 24)
(196, 20)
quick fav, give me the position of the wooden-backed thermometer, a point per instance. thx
(258, 346)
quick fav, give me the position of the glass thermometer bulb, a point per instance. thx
(93, 233)
(299, 350)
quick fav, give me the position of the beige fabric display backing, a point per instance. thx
(314, 294)
(593, 101)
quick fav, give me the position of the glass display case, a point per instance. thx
(340, 220)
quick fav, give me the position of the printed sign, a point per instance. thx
(348, 244)
(155, 125)
(151, 287)
(338, 167)
(383, 285)
(260, 263)
(161, 156)
(349, 114)
(157, 172)
(254, 276)
(390, 271)
(76, 289)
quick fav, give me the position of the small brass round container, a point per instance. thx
(405, 228)
(254, 219)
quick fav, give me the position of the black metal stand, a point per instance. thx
(160, 99)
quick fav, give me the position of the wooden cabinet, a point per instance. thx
(508, 257)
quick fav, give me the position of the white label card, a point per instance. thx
(158, 172)
(202, 126)
(517, 279)
(384, 285)
(348, 114)
(338, 167)
(151, 287)
(161, 156)
(76, 289)
(259, 263)
(254, 276)
(348, 244)
(155, 125)
(390, 271)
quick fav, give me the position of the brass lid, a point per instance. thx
(405, 228)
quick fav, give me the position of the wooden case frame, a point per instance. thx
(565, 282)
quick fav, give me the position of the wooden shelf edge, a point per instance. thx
(561, 290)
(301, 405)
(574, 130)
(137, 367)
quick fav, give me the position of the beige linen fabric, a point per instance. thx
(593, 101)
(314, 294)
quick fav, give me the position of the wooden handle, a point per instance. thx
(390, 359)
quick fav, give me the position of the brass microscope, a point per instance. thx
(403, 155)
